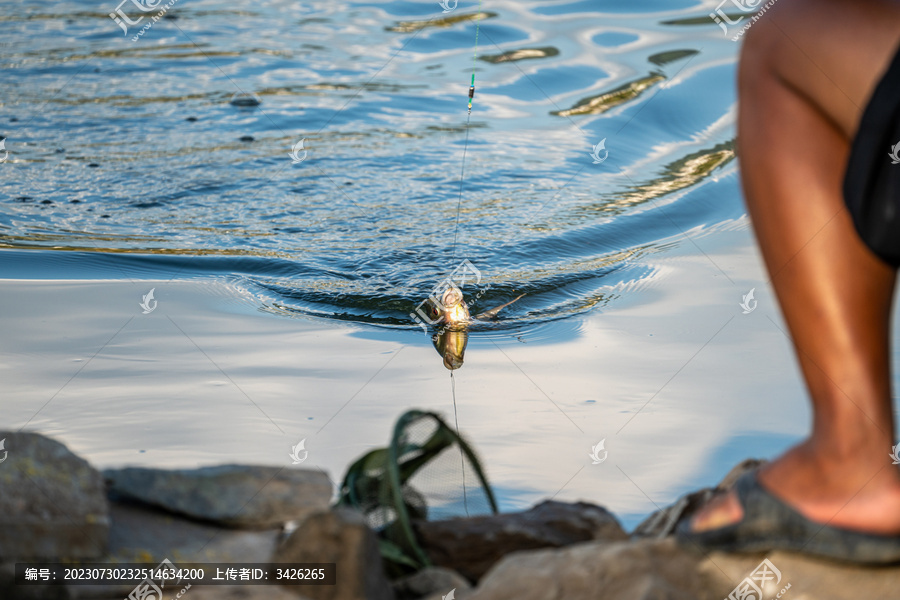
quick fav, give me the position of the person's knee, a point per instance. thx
(758, 59)
(767, 37)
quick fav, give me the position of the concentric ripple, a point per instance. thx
(164, 176)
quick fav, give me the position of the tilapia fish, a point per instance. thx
(453, 318)
(453, 312)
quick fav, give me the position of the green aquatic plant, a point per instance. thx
(422, 472)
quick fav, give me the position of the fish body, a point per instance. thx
(452, 315)
(453, 312)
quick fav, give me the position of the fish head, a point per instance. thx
(455, 311)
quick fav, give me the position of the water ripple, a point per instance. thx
(165, 177)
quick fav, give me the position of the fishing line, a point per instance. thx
(462, 459)
(462, 169)
(462, 172)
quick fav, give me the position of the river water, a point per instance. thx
(285, 274)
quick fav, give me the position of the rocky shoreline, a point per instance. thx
(55, 507)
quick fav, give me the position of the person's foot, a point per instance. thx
(840, 493)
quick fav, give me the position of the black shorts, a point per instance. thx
(872, 180)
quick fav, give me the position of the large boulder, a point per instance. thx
(52, 503)
(144, 534)
(641, 570)
(233, 495)
(472, 545)
(338, 536)
(663, 570)
(238, 592)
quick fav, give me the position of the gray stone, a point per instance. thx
(202, 592)
(472, 545)
(144, 534)
(664, 521)
(141, 533)
(10, 591)
(233, 495)
(649, 569)
(240, 592)
(215, 592)
(639, 570)
(53, 503)
(430, 580)
(338, 536)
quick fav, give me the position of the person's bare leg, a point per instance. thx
(806, 73)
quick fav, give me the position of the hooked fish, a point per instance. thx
(453, 314)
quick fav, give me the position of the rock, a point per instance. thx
(10, 591)
(472, 545)
(663, 522)
(200, 592)
(808, 578)
(638, 570)
(239, 592)
(53, 503)
(338, 536)
(141, 533)
(233, 495)
(245, 99)
(430, 580)
(144, 534)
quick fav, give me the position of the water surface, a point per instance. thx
(284, 288)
